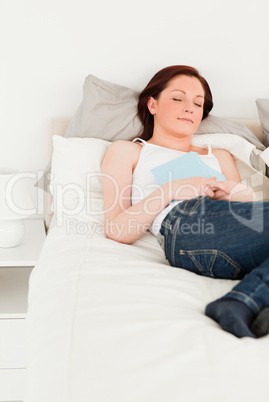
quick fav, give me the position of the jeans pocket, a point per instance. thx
(212, 263)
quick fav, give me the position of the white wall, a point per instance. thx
(48, 47)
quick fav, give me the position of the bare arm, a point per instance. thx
(125, 222)
(234, 189)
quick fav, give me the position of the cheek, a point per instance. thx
(198, 120)
(200, 115)
(168, 112)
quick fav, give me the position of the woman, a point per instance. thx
(191, 198)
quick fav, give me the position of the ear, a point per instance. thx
(152, 105)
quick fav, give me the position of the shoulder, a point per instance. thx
(122, 152)
(124, 145)
(123, 148)
(227, 164)
(222, 154)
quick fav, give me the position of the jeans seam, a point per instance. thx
(167, 225)
(246, 297)
(215, 253)
(211, 264)
(214, 213)
(223, 212)
(173, 243)
(182, 207)
(196, 205)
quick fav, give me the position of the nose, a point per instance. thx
(188, 109)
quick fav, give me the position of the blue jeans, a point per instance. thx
(222, 239)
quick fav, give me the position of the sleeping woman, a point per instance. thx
(191, 199)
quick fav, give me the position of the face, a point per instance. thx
(179, 107)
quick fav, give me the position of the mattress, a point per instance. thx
(110, 322)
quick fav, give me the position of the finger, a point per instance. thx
(209, 192)
(220, 185)
(219, 194)
(211, 179)
(216, 186)
(225, 188)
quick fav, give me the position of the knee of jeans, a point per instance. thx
(211, 263)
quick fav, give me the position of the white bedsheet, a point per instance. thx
(109, 322)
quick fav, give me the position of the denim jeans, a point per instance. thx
(222, 239)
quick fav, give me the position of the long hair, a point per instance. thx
(157, 84)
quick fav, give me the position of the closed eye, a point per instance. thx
(180, 100)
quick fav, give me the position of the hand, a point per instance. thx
(193, 187)
(234, 191)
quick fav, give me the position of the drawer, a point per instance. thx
(13, 343)
(12, 385)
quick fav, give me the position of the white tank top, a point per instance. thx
(144, 182)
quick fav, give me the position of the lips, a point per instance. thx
(186, 120)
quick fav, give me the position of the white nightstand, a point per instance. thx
(15, 268)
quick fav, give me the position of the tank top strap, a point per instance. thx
(145, 142)
(209, 149)
(139, 140)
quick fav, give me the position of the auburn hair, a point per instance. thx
(157, 84)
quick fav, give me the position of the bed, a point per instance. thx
(109, 322)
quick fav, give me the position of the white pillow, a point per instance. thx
(76, 177)
(237, 146)
(76, 172)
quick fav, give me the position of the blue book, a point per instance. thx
(184, 167)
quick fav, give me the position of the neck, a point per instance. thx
(177, 143)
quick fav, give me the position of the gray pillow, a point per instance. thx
(109, 111)
(263, 110)
(213, 125)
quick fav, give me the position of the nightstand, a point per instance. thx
(15, 268)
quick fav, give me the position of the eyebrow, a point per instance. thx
(180, 90)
